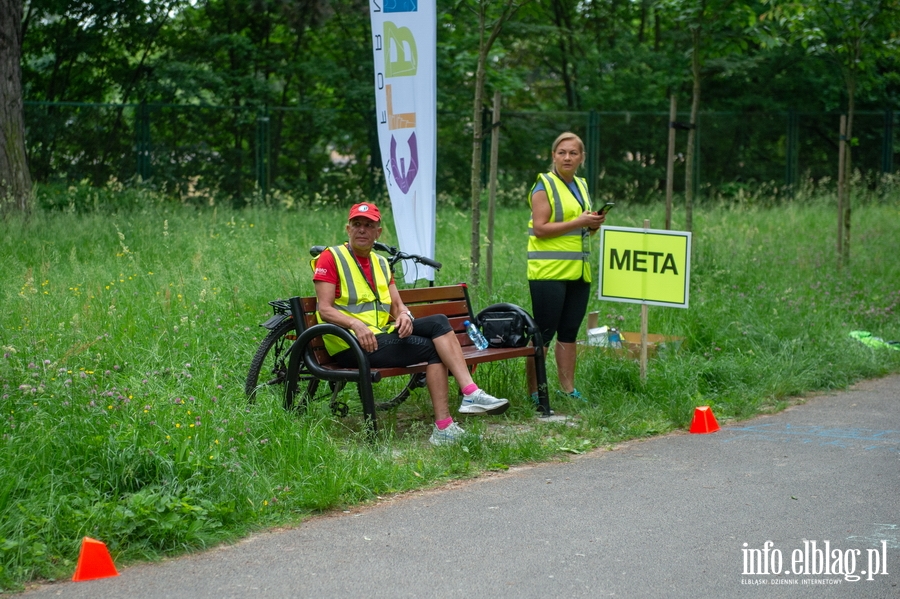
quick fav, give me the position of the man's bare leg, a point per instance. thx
(436, 380)
(451, 355)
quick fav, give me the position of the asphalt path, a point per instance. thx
(803, 503)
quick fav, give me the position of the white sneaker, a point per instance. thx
(447, 436)
(480, 402)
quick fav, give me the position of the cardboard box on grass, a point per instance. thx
(631, 346)
(631, 343)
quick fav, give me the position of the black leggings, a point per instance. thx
(394, 351)
(558, 308)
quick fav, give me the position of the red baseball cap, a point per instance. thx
(365, 210)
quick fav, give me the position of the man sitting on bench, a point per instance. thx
(355, 290)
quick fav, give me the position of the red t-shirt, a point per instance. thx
(327, 271)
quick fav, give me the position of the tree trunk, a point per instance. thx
(670, 160)
(841, 185)
(15, 179)
(848, 168)
(477, 131)
(569, 75)
(689, 158)
(484, 47)
(492, 189)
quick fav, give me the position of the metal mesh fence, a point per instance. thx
(204, 152)
(627, 151)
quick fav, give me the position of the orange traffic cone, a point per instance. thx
(704, 421)
(94, 561)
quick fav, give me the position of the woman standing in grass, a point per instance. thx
(559, 270)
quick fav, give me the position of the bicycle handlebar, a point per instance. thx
(396, 253)
(392, 251)
(429, 262)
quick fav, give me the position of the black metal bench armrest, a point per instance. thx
(301, 347)
(362, 376)
(324, 329)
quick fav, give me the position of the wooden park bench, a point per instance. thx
(309, 360)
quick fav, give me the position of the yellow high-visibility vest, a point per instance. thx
(566, 257)
(357, 299)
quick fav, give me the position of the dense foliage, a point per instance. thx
(291, 80)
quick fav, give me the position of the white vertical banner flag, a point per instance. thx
(404, 42)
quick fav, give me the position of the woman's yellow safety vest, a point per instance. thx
(566, 257)
(357, 299)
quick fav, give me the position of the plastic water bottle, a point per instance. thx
(615, 338)
(475, 335)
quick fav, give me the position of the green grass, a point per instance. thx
(126, 338)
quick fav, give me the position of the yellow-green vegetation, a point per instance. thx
(126, 338)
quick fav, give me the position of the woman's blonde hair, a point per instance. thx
(565, 137)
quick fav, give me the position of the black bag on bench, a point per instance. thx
(503, 328)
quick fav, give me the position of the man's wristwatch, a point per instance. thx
(408, 313)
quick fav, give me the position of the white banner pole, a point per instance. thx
(404, 43)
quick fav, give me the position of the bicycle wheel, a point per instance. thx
(271, 363)
(268, 371)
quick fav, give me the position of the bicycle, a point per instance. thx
(272, 355)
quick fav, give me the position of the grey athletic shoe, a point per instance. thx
(480, 402)
(448, 436)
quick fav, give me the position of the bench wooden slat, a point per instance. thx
(493, 354)
(442, 293)
(453, 309)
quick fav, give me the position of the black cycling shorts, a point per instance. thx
(394, 351)
(558, 308)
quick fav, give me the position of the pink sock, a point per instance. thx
(470, 389)
(442, 424)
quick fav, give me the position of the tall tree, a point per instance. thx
(564, 14)
(620, 66)
(93, 50)
(854, 35)
(718, 29)
(489, 28)
(15, 179)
